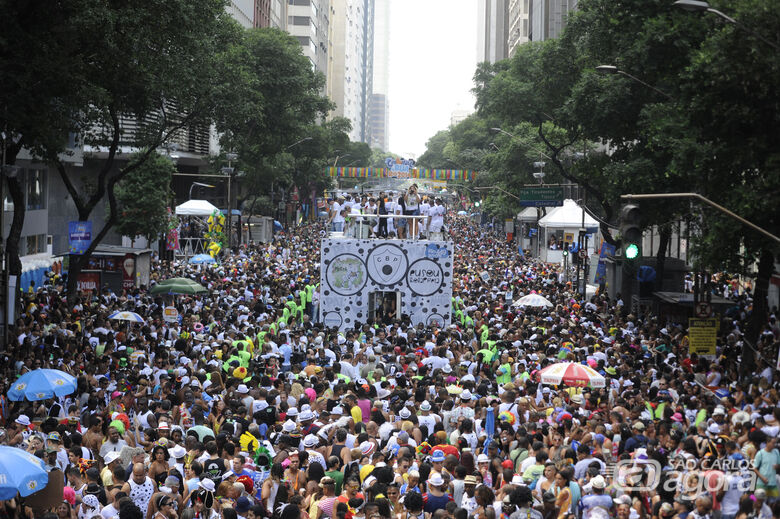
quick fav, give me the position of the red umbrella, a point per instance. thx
(571, 374)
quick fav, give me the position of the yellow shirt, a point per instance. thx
(106, 477)
(357, 414)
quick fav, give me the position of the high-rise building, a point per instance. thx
(271, 13)
(519, 24)
(350, 69)
(379, 105)
(459, 115)
(243, 11)
(307, 20)
(493, 30)
(547, 18)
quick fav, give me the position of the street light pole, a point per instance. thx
(230, 156)
(652, 196)
(704, 7)
(201, 184)
(611, 69)
(298, 142)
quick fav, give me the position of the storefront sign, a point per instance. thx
(88, 281)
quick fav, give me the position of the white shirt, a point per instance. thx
(337, 210)
(437, 217)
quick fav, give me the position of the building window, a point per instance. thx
(35, 244)
(299, 20)
(36, 189)
(299, 2)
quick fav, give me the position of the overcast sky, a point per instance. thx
(433, 48)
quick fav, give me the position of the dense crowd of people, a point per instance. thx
(248, 408)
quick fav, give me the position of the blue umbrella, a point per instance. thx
(462, 213)
(41, 384)
(277, 225)
(20, 473)
(200, 259)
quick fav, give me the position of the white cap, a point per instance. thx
(110, 456)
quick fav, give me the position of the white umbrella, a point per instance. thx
(532, 300)
(127, 316)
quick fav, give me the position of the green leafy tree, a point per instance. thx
(145, 215)
(279, 100)
(159, 63)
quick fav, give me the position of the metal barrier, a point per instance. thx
(362, 228)
(191, 246)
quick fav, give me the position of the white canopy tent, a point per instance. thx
(566, 219)
(196, 208)
(568, 216)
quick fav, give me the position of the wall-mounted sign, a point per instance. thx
(79, 236)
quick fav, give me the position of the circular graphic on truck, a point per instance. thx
(346, 274)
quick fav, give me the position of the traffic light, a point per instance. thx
(631, 231)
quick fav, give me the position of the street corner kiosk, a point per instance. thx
(365, 279)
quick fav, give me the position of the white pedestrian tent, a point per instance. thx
(196, 208)
(568, 216)
(566, 219)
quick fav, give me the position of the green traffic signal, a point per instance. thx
(632, 251)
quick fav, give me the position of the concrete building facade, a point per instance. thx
(492, 30)
(548, 18)
(379, 106)
(243, 11)
(350, 70)
(271, 13)
(519, 24)
(308, 20)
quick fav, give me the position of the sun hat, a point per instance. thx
(438, 456)
(110, 457)
(435, 480)
(598, 482)
(177, 452)
(367, 448)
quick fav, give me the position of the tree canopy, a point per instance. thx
(691, 105)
